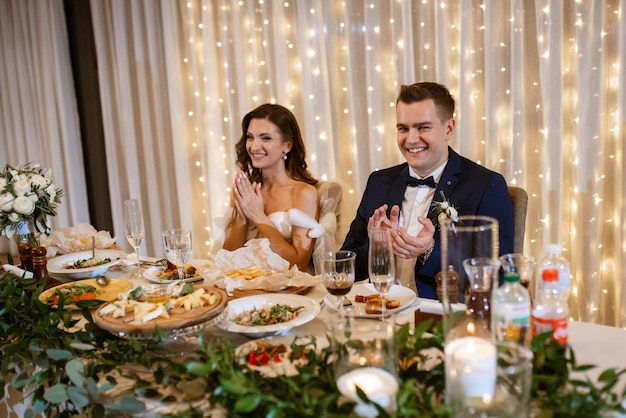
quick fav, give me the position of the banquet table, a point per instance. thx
(594, 344)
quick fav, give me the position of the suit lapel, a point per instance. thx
(396, 194)
(449, 178)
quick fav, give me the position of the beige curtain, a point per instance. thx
(38, 117)
(537, 86)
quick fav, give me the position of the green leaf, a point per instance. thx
(198, 369)
(55, 354)
(193, 388)
(57, 394)
(247, 404)
(78, 396)
(75, 371)
(82, 346)
(127, 405)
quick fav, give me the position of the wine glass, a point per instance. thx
(381, 263)
(133, 224)
(338, 274)
(178, 248)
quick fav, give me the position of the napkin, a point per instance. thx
(256, 252)
(75, 239)
(17, 271)
(435, 307)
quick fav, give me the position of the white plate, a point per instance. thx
(237, 306)
(405, 295)
(57, 265)
(286, 367)
(151, 273)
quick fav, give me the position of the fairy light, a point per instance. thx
(343, 118)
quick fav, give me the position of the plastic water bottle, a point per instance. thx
(511, 305)
(550, 311)
(553, 259)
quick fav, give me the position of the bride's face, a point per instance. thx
(265, 144)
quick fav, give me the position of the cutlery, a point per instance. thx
(103, 280)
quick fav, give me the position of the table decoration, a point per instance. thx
(89, 371)
(28, 197)
(77, 238)
(365, 363)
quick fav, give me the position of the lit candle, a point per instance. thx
(379, 385)
(472, 366)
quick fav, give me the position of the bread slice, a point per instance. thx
(375, 306)
(375, 298)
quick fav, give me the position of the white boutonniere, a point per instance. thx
(444, 210)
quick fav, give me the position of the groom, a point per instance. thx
(401, 196)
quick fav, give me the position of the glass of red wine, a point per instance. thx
(338, 275)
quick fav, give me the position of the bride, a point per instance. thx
(274, 196)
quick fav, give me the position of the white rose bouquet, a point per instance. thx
(27, 194)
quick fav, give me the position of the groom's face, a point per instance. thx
(422, 136)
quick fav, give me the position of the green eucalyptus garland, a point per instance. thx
(73, 373)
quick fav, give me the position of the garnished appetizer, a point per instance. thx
(268, 315)
(73, 293)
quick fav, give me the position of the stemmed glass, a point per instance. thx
(381, 263)
(338, 274)
(133, 224)
(178, 248)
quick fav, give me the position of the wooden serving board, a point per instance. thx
(298, 290)
(175, 321)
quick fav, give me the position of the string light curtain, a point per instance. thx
(536, 82)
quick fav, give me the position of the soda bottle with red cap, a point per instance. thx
(550, 311)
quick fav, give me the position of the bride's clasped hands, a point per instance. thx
(248, 200)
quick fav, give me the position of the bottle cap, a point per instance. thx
(554, 249)
(550, 275)
(511, 277)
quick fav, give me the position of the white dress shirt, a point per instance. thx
(416, 203)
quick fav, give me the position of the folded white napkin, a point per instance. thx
(17, 271)
(256, 252)
(75, 239)
(435, 307)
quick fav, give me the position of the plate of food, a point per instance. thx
(262, 315)
(364, 300)
(280, 355)
(87, 289)
(83, 265)
(169, 274)
(134, 314)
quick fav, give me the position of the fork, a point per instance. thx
(162, 262)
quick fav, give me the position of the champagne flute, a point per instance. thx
(178, 248)
(133, 224)
(338, 274)
(381, 263)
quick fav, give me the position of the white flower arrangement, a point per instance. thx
(444, 210)
(27, 194)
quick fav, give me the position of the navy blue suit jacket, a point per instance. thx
(471, 188)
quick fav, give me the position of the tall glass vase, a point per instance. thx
(25, 232)
(473, 239)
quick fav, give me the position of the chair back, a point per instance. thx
(330, 195)
(519, 197)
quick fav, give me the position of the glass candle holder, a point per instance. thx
(490, 379)
(364, 357)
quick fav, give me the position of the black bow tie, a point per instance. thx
(428, 181)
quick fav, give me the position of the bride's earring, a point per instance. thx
(285, 156)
